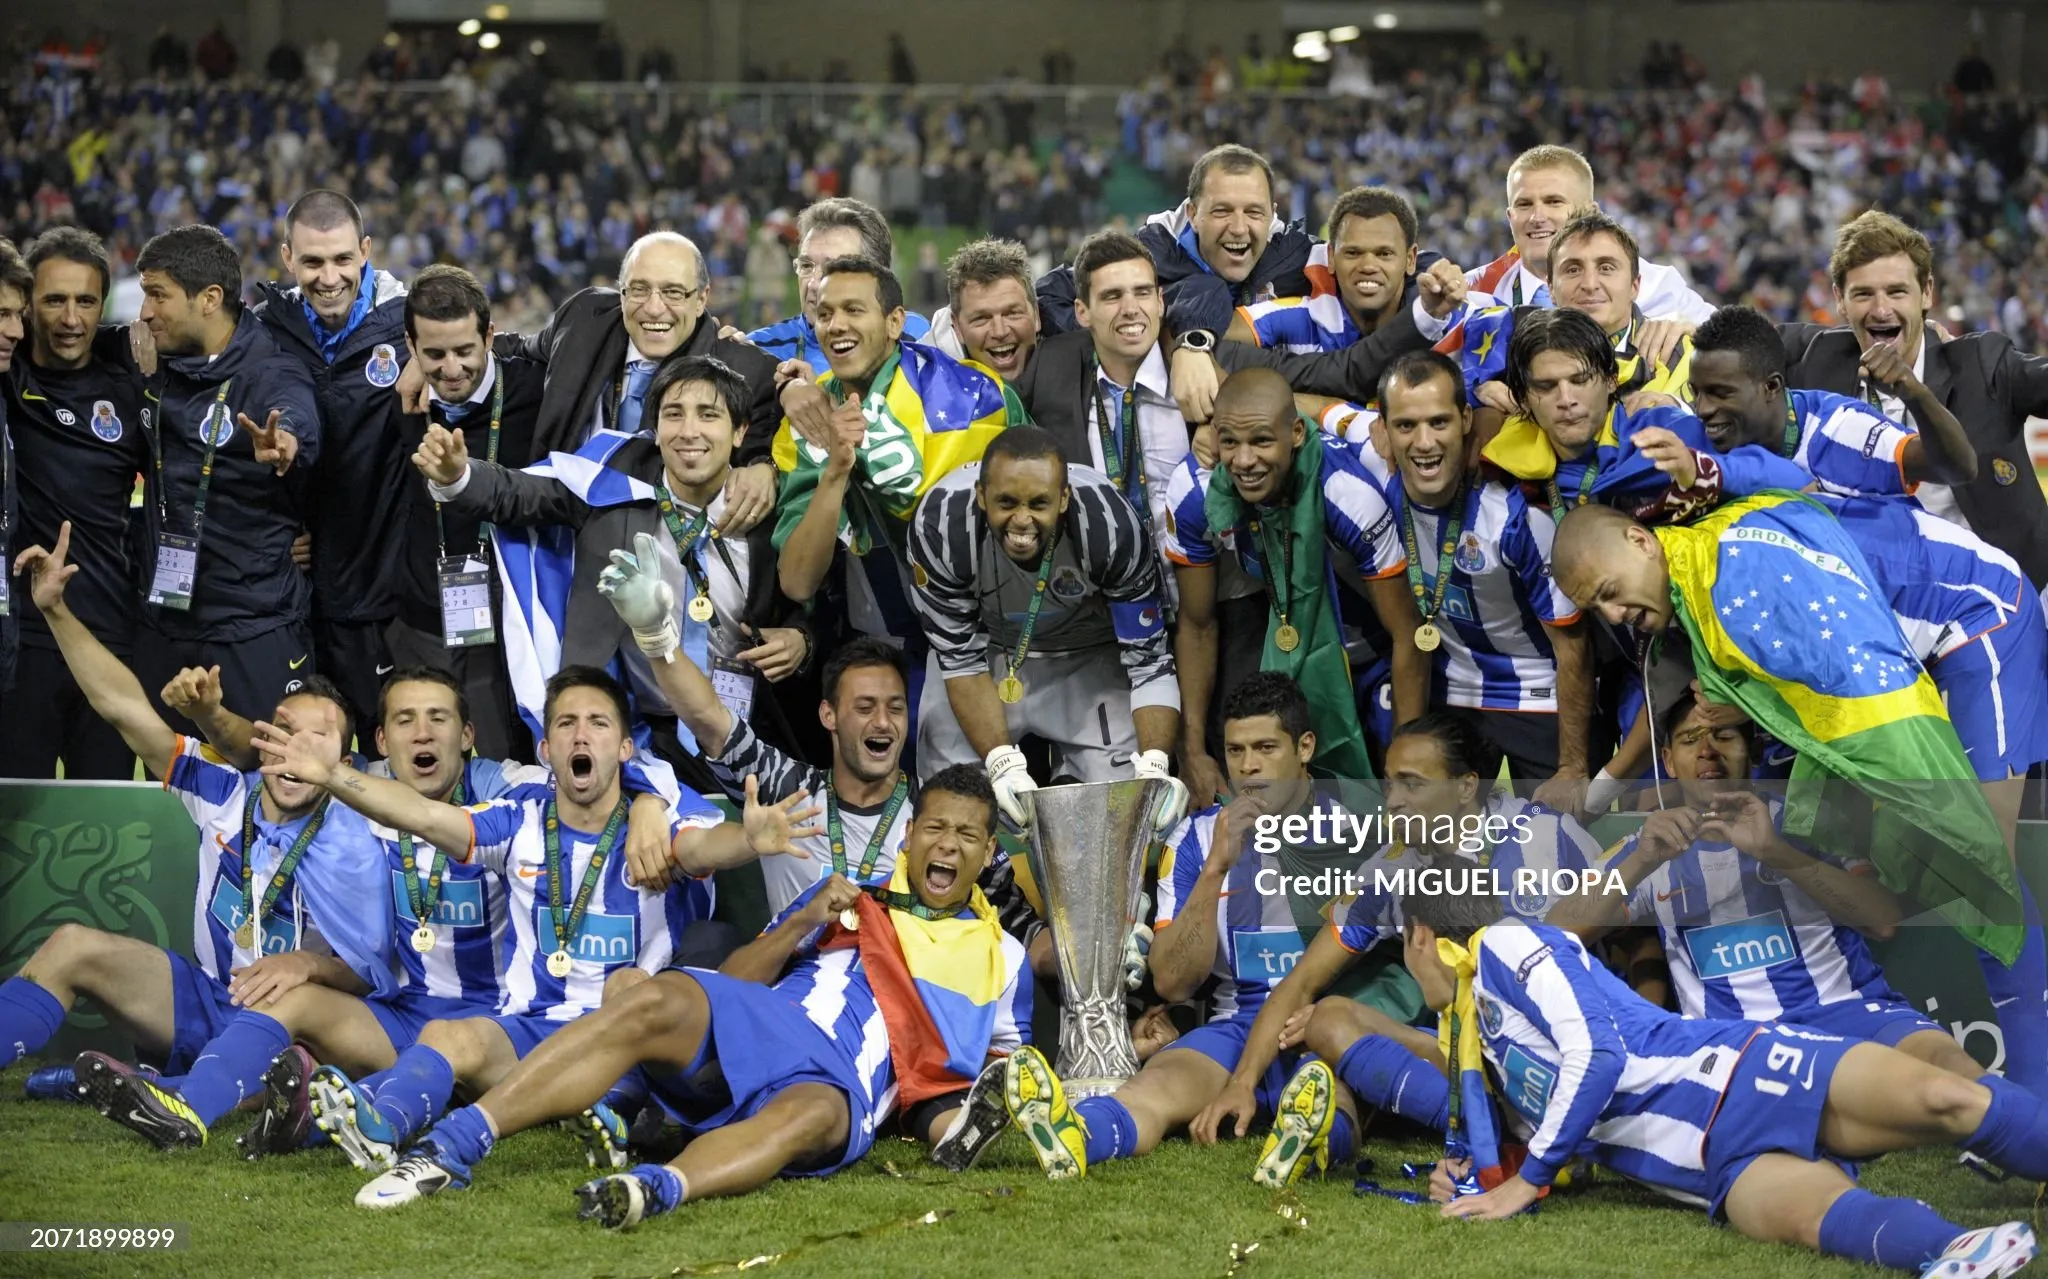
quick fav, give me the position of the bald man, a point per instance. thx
(1818, 615)
(1289, 503)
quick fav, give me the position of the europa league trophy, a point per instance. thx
(1088, 844)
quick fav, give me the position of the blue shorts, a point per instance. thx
(1881, 1021)
(200, 1009)
(526, 1033)
(404, 1016)
(761, 1044)
(1996, 689)
(1772, 1105)
(1223, 1043)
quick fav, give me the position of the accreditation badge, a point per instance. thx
(177, 571)
(466, 620)
(734, 682)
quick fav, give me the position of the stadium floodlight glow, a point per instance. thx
(1344, 35)
(1309, 46)
(469, 27)
(488, 40)
(537, 48)
(1386, 21)
(498, 12)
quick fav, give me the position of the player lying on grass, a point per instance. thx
(271, 849)
(574, 919)
(1222, 926)
(1756, 1123)
(895, 999)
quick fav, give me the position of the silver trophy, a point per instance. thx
(1088, 849)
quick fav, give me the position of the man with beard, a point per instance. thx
(1087, 669)
(344, 320)
(222, 511)
(1739, 392)
(672, 486)
(74, 415)
(289, 893)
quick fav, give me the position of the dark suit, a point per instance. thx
(584, 348)
(1992, 389)
(1057, 387)
(1350, 374)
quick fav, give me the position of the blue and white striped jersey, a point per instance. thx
(470, 915)
(1495, 654)
(1588, 1067)
(1257, 939)
(215, 793)
(1743, 942)
(1356, 521)
(832, 989)
(623, 927)
(1553, 842)
(1303, 326)
(1946, 585)
(1847, 446)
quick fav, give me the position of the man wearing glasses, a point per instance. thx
(834, 228)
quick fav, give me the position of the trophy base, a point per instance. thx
(1096, 1056)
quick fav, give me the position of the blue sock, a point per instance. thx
(231, 1065)
(29, 1018)
(414, 1091)
(1904, 1234)
(2020, 996)
(1382, 1073)
(461, 1140)
(1112, 1129)
(2014, 1134)
(1343, 1140)
(629, 1094)
(664, 1183)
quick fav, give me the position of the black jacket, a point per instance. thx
(417, 583)
(357, 496)
(1057, 388)
(584, 347)
(247, 583)
(1351, 374)
(1992, 389)
(78, 446)
(1196, 297)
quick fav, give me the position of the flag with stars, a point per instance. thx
(1786, 621)
(1479, 343)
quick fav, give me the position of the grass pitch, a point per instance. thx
(1182, 1212)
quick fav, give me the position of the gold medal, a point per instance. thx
(849, 919)
(1428, 637)
(245, 936)
(559, 964)
(423, 939)
(700, 608)
(1011, 690)
(1287, 639)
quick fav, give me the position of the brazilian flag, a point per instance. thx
(1787, 622)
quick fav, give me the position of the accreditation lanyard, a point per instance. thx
(882, 825)
(483, 531)
(1452, 526)
(250, 934)
(425, 901)
(686, 537)
(1128, 460)
(1011, 691)
(566, 928)
(205, 465)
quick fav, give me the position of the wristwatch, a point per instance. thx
(1195, 340)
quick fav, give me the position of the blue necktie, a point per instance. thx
(696, 635)
(638, 374)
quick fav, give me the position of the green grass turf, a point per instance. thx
(1177, 1213)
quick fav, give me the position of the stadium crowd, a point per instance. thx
(442, 622)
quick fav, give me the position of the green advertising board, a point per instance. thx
(120, 857)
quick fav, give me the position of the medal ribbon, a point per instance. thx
(424, 902)
(686, 537)
(1587, 479)
(1280, 595)
(1447, 546)
(882, 824)
(1791, 448)
(483, 530)
(1016, 658)
(565, 932)
(292, 857)
(1129, 460)
(909, 904)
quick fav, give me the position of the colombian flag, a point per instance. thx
(1479, 343)
(928, 414)
(1786, 622)
(936, 981)
(1475, 1131)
